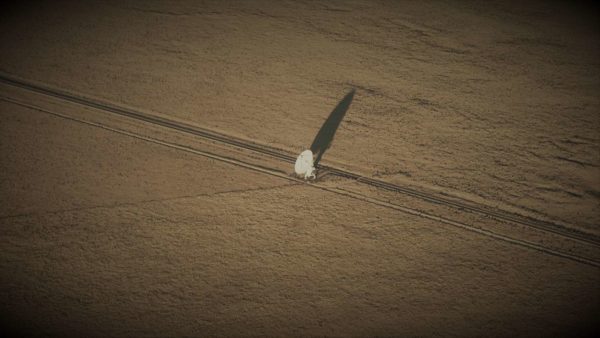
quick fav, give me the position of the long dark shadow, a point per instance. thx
(325, 135)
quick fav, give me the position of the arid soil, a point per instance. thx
(103, 233)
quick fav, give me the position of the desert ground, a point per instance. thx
(113, 226)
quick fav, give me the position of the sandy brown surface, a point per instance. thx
(495, 103)
(106, 234)
(141, 248)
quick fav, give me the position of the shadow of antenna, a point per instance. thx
(325, 135)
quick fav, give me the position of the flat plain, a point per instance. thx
(111, 226)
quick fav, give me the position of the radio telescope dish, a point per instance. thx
(305, 165)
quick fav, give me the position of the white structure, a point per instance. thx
(305, 165)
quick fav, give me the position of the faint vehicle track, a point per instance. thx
(286, 156)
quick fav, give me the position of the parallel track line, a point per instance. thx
(239, 163)
(497, 214)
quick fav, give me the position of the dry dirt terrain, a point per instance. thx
(482, 116)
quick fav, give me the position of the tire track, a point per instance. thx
(339, 191)
(285, 156)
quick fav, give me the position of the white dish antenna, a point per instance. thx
(304, 165)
